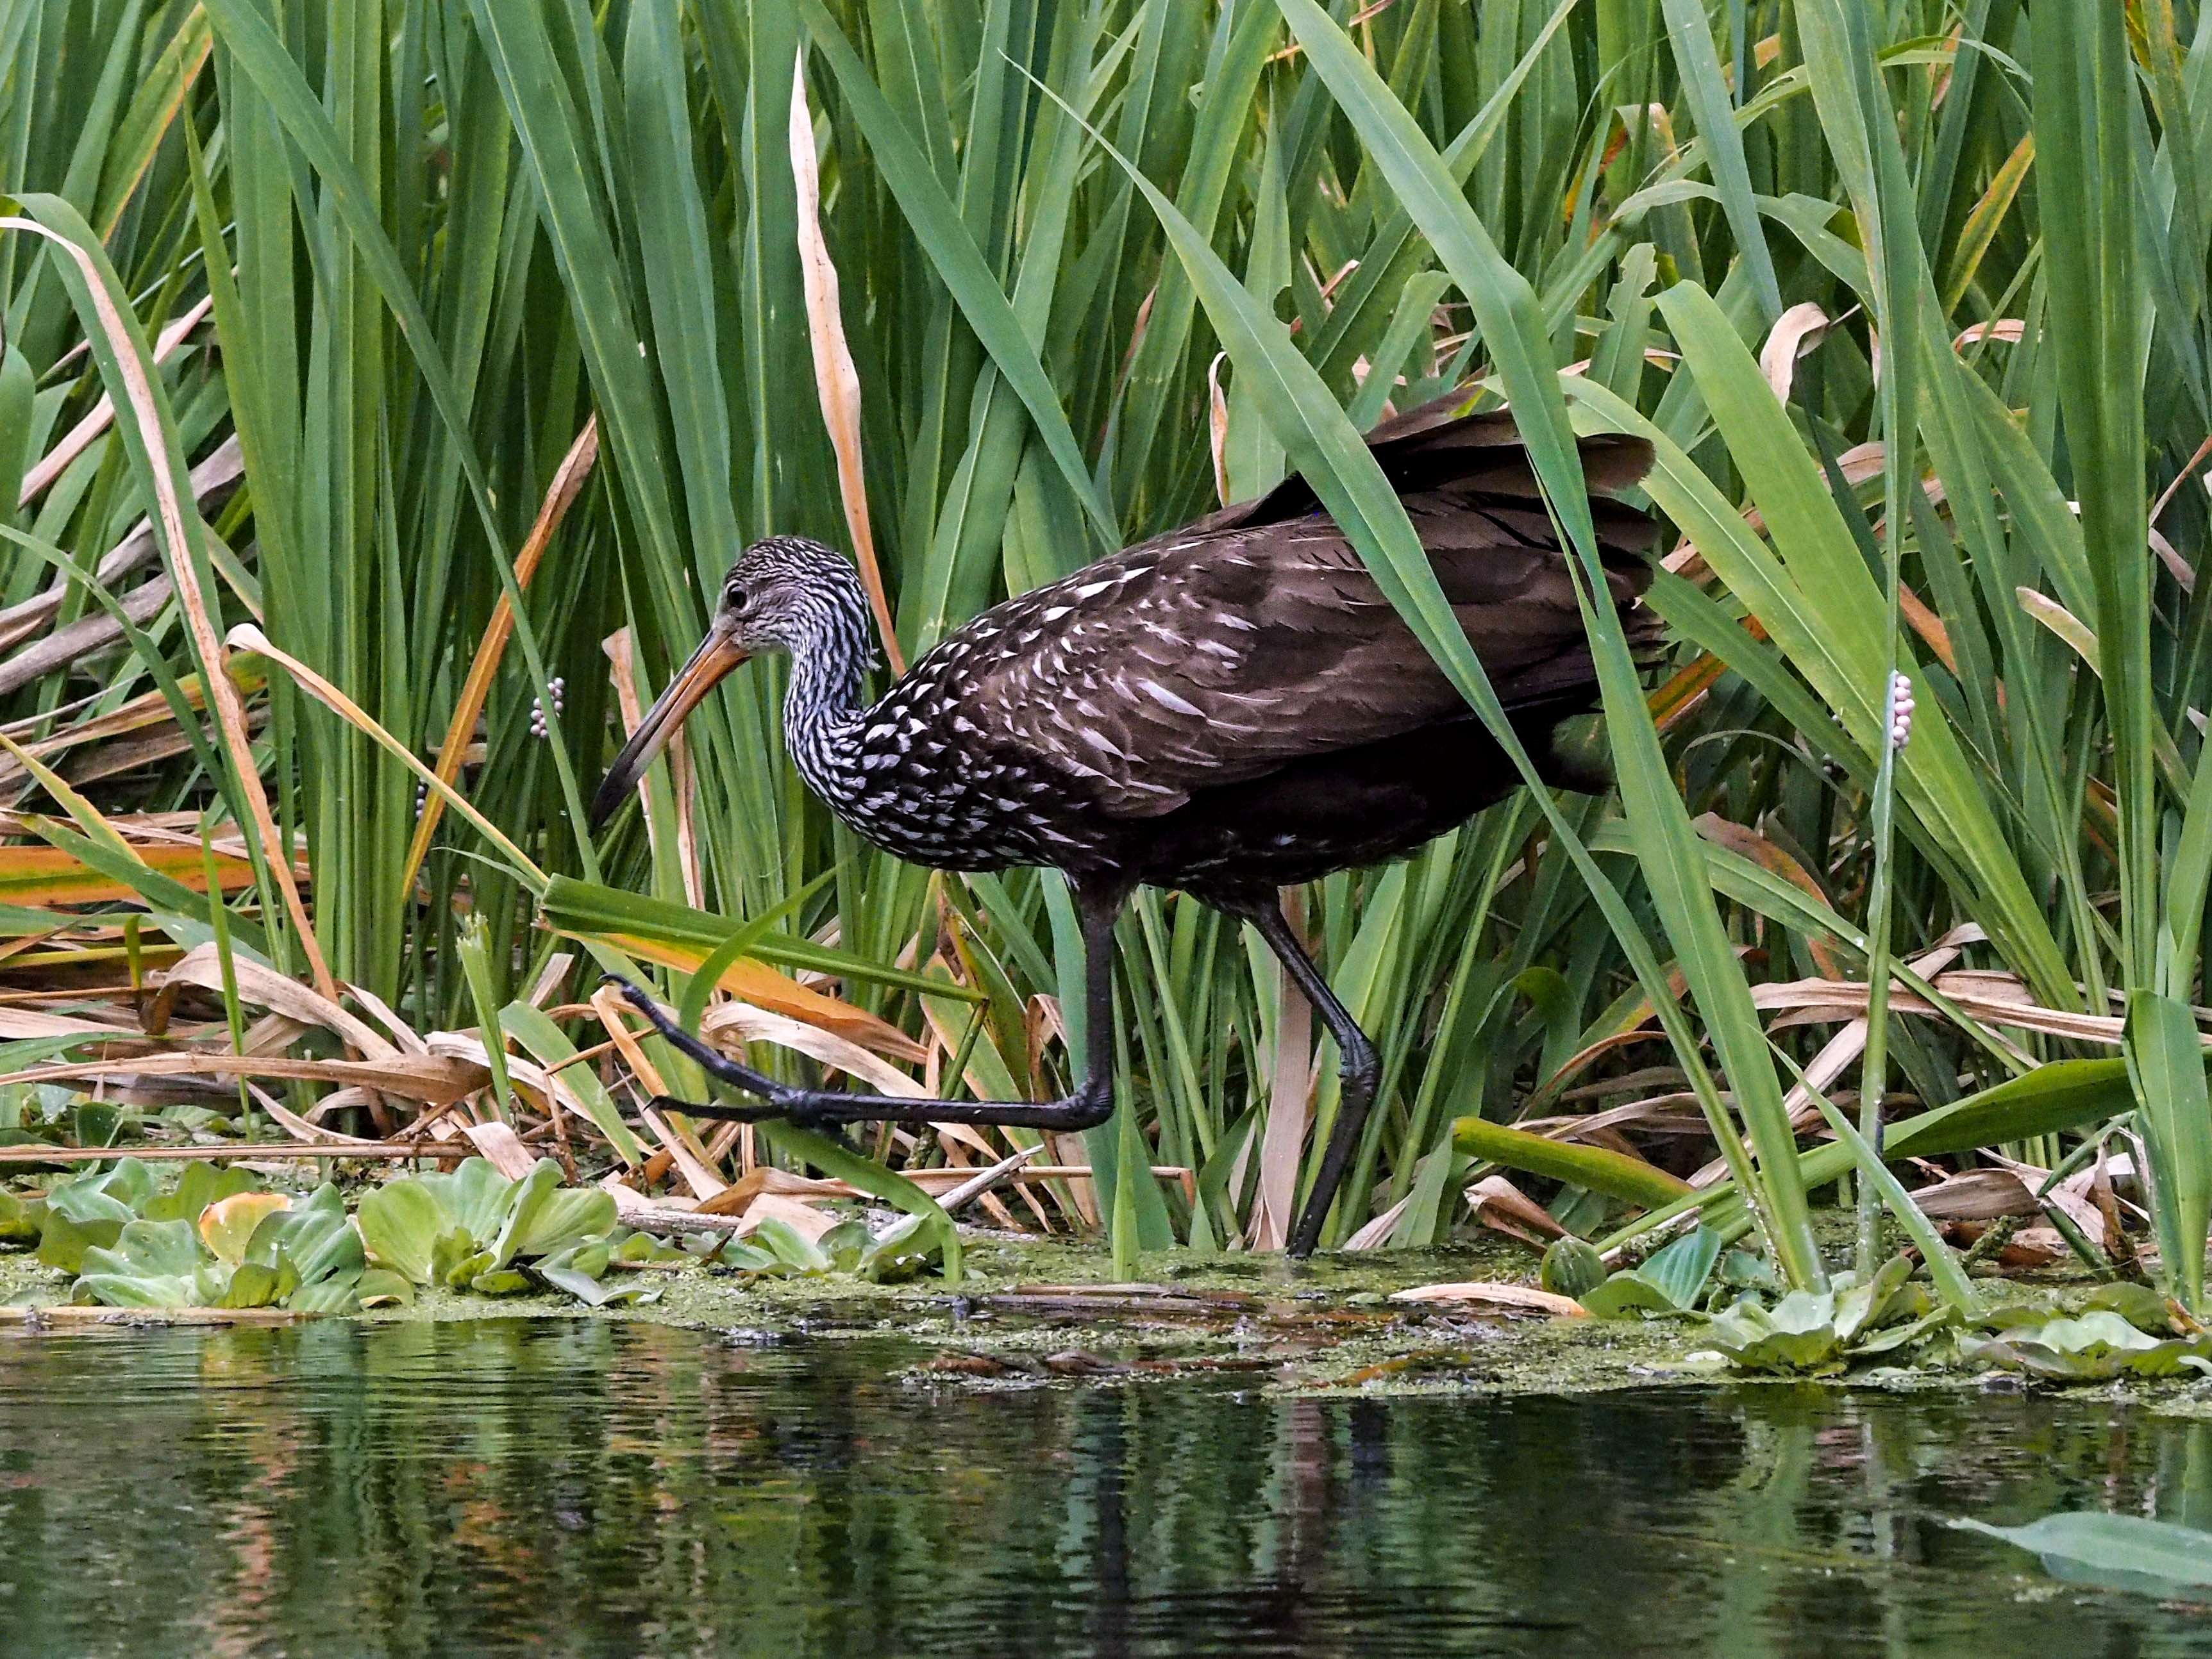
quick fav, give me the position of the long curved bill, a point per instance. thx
(716, 656)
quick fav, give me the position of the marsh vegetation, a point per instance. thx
(387, 386)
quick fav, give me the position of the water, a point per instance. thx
(596, 1488)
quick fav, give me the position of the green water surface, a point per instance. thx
(583, 1487)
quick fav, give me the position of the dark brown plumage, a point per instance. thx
(1227, 709)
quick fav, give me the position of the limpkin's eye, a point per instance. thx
(734, 597)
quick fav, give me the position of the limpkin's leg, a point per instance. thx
(1090, 1105)
(1358, 1069)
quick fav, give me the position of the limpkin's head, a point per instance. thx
(786, 593)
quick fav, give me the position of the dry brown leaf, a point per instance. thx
(16, 1024)
(1977, 1196)
(621, 667)
(264, 987)
(1376, 1233)
(501, 1148)
(803, 1219)
(301, 1129)
(764, 987)
(49, 876)
(568, 482)
(253, 639)
(1796, 332)
(1749, 844)
(1217, 427)
(1498, 1205)
(734, 1023)
(236, 1217)
(1676, 1113)
(2010, 329)
(836, 382)
(668, 1216)
(1998, 999)
(1522, 1298)
(435, 1081)
(213, 478)
(738, 1197)
(1290, 1106)
(56, 461)
(399, 1029)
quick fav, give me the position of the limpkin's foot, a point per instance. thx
(780, 1099)
(1090, 1106)
(1358, 1076)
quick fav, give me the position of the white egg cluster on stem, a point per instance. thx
(1900, 711)
(540, 722)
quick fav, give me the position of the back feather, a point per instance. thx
(1256, 637)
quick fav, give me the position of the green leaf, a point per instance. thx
(1798, 1334)
(198, 1186)
(1680, 1271)
(22, 1219)
(936, 223)
(547, 1044)
(2126, 1551)
(1598, 1167)
(456, 1259)
(1626, 1295)
(1669, 1283)
(338, 1295)
(140, 1291)
(904, 1250)
(580, 1269)
(583, 908)
(2140, 1305)
(400, 1223)
(543, 1216)
(2166, 1066)
(226, 1227)
(473, 947)
(313, 1237)
(1942, 1265)
(1690, 30)
(82, 1215)
(378, 1285)
(148, 1250)
(742, 942)
(2095, 1345)
(251, 1286)
(475, 1198)
(1571, 1266)
(1862, 1307)
(791, 1247)
(873, 1179)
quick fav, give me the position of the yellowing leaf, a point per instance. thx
(226, 1224)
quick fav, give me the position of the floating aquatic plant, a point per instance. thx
(222, 1239)
(2089, 1347)
(1822, 1332)
(247, 1250)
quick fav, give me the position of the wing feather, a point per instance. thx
(1245, 641)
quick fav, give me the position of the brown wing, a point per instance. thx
(1223, 650)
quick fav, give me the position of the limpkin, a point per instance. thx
(1227, 709)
